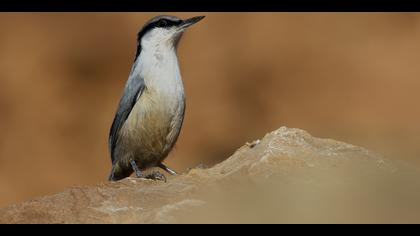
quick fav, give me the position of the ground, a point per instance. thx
(286, 177)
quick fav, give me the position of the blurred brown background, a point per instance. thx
(348, 76)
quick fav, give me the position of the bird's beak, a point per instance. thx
(188, 22)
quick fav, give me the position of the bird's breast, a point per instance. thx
(155, 121)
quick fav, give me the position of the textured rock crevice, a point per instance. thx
(286, 177)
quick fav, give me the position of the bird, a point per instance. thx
(151, 110)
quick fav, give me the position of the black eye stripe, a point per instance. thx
(162, 23)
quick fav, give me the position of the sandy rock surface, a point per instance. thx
(286, 177)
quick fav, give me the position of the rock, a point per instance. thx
(286, 177)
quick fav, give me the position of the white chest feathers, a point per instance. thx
(160, 71)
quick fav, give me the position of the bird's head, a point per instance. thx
(163, 31)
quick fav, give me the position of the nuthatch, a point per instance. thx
(151, 110)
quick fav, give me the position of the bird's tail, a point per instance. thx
(111, 176)
(118, 173)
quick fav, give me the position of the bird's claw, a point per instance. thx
(156, 176)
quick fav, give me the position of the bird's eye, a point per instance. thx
(162, 23)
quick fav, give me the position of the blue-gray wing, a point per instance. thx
(133, 90)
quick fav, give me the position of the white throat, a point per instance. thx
(158, 65)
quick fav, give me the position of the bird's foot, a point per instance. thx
(155, 176)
